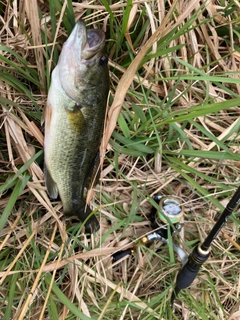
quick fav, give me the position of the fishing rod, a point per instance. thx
(201, 252)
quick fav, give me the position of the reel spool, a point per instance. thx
(169, 212)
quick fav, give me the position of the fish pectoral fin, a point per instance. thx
(75, 117)
(51, 185)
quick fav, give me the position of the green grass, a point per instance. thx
(177, 133)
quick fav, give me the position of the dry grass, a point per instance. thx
(172, 128)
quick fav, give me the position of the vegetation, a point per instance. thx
(172, 128)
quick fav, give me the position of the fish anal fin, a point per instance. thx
(94, 172)
(51, 185)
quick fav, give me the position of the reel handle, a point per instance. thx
(121, 254)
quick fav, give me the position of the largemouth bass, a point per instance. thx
(74, 120)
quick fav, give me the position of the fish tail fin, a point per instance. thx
(84, 214)
(92, 224)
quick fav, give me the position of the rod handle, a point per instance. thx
(190, 270)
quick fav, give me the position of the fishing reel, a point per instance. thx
(165, 217)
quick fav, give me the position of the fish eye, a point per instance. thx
(103, 60)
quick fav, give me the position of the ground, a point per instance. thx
(172, 128)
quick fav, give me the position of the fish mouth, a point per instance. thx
(92, 40)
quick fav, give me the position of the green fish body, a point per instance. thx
(74, 120)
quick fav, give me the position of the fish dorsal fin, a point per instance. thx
(52, 188)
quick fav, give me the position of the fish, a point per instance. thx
(74, 118)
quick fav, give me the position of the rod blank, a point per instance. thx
(201, 253)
